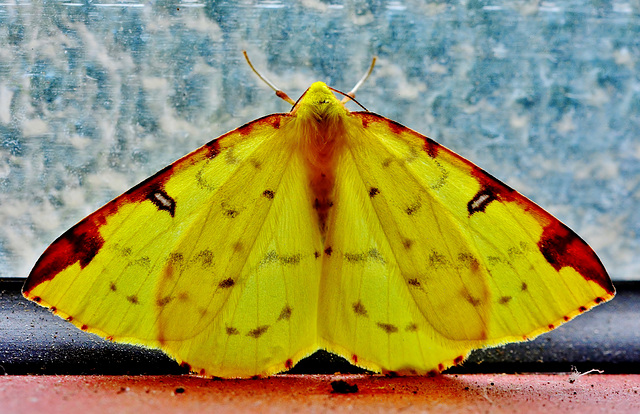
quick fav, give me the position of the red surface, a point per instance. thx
(301, 393)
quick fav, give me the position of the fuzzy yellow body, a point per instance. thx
(319, 229)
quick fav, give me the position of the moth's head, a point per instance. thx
(318, 102)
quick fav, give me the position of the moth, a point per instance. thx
(319, 228)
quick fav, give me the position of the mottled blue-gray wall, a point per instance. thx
(97, 95)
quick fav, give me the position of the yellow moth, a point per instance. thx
(319, 228)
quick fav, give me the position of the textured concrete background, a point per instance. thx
(97, 95)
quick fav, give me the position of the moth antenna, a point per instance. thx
(279, 93)
(352, 93)
(348, 98)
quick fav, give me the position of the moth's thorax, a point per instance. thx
(320, 119)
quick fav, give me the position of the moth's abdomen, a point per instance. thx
(322, 149)
(319, 124)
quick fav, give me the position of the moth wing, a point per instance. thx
(199, 260)
(432, 257)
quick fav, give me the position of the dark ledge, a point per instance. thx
(33, 341)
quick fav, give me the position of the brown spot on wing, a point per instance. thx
(164, 301)
(469, 261)
(438, 260)
(373, 191)
(431, 147)
(246, 129)
(471, 299)
(205, 257)
(294, 259)
(268, 194)
(226, 283)
(285, 313)
(328, 251)
(491, 189)
(162, 200)
(412, 209)
(412, 327)
(213, 148)
(258, 332)
(504, 300)
(359, 309)
(176, 259)
(231, 213)
(80, 245)
(270, 257)
(354, 257)
(561, 247)
(275, 122)
(387, 327)
(481, 200)
(231, 330)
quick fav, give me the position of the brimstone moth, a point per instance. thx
(319, 228)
